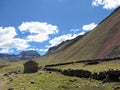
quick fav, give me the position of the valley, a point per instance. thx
(49, 80)
(95, 52)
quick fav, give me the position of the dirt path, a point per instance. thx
(3, 83)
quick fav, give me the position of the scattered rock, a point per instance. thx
(116, 87)
(91, 62)
(73, 80)
(11, 89)
(105, 76)
(11, 79)
(32, 82)
(50, 72)
(6, 74)
(11, 72)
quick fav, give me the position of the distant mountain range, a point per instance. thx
(24, 55)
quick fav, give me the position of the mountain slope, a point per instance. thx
(102, 42)
(63, 45)
(3, 62)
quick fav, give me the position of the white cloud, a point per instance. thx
(74, 30)
(5, 50)
(19, 44)
(8, 40)
(37, 49)
(16, 43)
(7, 33)
(40, 31)
(58, 40)
(38, 38)
(107, 4)
(81, 33)
(43, 50)
(90, 26)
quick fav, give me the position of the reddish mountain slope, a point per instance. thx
(113, 37)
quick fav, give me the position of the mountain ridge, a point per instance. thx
(24, 55)
(63, 45)
(101, 42)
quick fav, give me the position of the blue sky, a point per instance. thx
(40, 24)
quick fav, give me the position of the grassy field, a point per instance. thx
(44, 80)
(55, 81)
(3, 62)
(103, 66)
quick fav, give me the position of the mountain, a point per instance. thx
(101, 42)
(63, 45)
(24, 55)
(28, 54)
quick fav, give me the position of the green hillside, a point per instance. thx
(2, 62)
(99, 43)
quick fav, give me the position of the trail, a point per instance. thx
(3, 83)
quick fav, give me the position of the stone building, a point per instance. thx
(30, 67)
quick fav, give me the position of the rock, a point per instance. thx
(32, 82)
(116, 87)
(11, 89)
(6, 74)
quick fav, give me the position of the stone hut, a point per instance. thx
(30, 67)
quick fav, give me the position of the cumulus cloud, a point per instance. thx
(36, 32)
(39, 31)
(59, 39)
(90, 26)
(37, 49)
(107, 4)
(7, 33)
(74, 30)
(8, 40)
(16, 43)
(43, 50)
(6, 50)
(19, 44)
